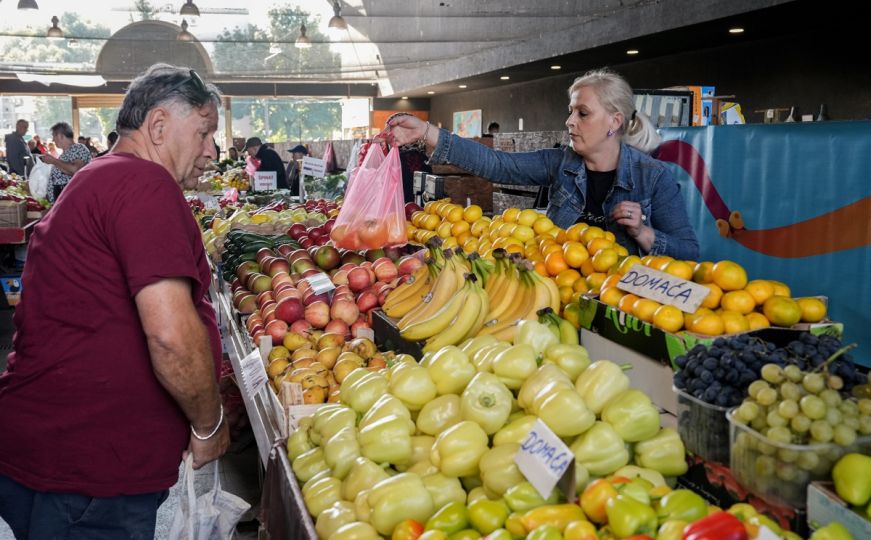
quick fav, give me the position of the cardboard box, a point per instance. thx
(824, 507)
(702, 108)
(12, 286)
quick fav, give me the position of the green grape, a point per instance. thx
(788, 456)
(849, 408)
(832, 398)
(787, 408)
(743, 440)
(813, 383)
(800, 423)
(844, 435)
(787, 472)
(772, 373)
(813, 407)
(793, 373)
(865, 424)
(767, 448)
(851, 421)
(759, 424)
(774, 418)
(779, 435)
(755, 387)
(747, 411)
(834, 382)
(765, 465)
(833, 417)
(790, 390)
(767, 396)
(821, 431)
(808, 460)
(865, 406)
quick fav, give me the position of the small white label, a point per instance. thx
(545, 460)
(265, 348)
(253, 373)
(208, 200)
(314, 167)
(367, 333)
(807, 118)
(265, 181)
(291, 393)
(769, 113)
(320, 283)
(664, 288)
(520, 124)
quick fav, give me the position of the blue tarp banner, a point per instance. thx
(798, 197)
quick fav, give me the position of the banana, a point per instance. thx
(568, 333)
(554, 293)
(406, 289)
(482, 315)
(463, 322)
(410, 297)
(446, 285)
(542, 299)
(502, 300)
(440, 320)
(522, 304)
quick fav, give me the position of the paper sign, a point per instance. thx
(320, 283)
(265, 348)
(314, 167)
(367, 333)
(265, 181)
(253, 374)
(291, 393)
(545, 460)
(664, 288)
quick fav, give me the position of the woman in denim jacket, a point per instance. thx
(606, 178)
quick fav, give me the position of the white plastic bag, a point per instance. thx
(211, 516)
(38, 179)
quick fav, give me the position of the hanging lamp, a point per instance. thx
(184, 35)
(55, 32)
(338, 21)
(190, 9)
(303, 42)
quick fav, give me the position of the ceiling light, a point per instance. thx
(504, 77)
(190, 9)
(555, 67)
(736, 30)
(55, 32)
(303, 42)
(462, 86)
(184, 35)
(27, 4)
(404, 97)
(430, 92)
(337, 21)
(632, 51)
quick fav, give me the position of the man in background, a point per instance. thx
(17, 152)
(293, 168)
(269, 160)
(111, 139)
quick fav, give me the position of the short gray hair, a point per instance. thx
(62, 128)
(616, 95)
(162, 84)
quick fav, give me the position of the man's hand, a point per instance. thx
(212, 449)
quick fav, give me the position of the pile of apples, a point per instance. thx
(318, 235)
(277, 292)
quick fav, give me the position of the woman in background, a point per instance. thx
(73, 157)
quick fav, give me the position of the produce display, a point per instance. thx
(14, 188)
(229, 177)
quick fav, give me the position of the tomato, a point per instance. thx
(373, 234)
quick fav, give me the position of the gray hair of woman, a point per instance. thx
(62, 128)
(616, 95)
(163, 85)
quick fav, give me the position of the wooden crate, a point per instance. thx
(13, 214)
(474, 188)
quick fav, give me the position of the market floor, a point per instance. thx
(239, 475)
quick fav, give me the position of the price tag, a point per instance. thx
(265, 348)
(367, 333)
(208, 200)
(314, 167)
(265, 181)
(664, 288)
(546, 461)
(321, 283)
(291, 393)
(253, 374)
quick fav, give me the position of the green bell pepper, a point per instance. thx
(664, 453)
(361, 506)
(309, 464)
(671, 530)
(545, 532)
(555, 515)
(328, 424)
(637, 488)
(632, 415)
(314, 479)
(523, 496)
(544, 377)
(450, 518)
(398, 498)
(852, 477)
(298, 443)
(364, 473)
(500, 534)
(444, 489)
(565, 413)
(498, 470)
(832, 531)
(683, 505)
(465, 534)
(476, 494)
(386, 405)
(387, 440)
(360, 392)
(514, 365)
(600, 450)
(341, 450)
(572, 359)
(356, 530)
(423, 468)
(458, 449)
(628, 517)
(439, 414)
(536, 335)
(483, 359)
(450, 370)
(433, 534)
(329, 521)
(516, 431)
(322, 494)
(475, 344)
(474, 481)
(633, 471)
(487, 516)
(601, 382)
(487, 402)
(412, 385)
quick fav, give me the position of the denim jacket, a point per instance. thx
(640, 178)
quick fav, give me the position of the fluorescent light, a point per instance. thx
(404, 97)
(462, 86)
(555, 67)
(430, 92)
(632, 51)
(504, 77)
(736, 30)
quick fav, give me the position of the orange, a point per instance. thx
(560, 235)
(604, 259)
(533, 255)
(430, 222)
(575, 253)
(506, 229)
(626, 303)
(594, 281)
(565, 295)
(460, 227)
(679, 269)
(610, 236)
(611, 295)
(644, 308)
(622, 251)
(690, 318)
(576, 297)
(555, 263)
(755, 321)
(462, 237)
(660, 262)
(449, 243)
(712, 301)
(702, 272)
(541, 269)
(782, 311)
(761, 290)
(542, 225)
(455, 214)
(611, 281)
(527, 217)
(709, 325)
(740, 301)
(780, 288)
(470, 245)
(513, 248)
(473, 213)
(574, 232)
(590, 233)
(479, 227)
(580, 286)
(627, 263)
(730, 276)
(669, 318)
(444, 229)
(484, 244)
(597, 244)
(735, 322)
(587, 267)
(812, 309)
(510, 215)
(646, 260)
(551, 248)
(567, 278)
(523, 233)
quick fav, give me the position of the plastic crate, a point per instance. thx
(703, 427)
(781, 473)
(13, 214)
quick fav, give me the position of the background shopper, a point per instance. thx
(73, 157)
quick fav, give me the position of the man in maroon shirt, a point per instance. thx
(113, 375)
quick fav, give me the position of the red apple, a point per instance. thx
(318, 314)
(276, 329)
(311, 272)
(374, 254)
(297, 255)
(301, 265)
(245, 269)
(338, 326)
(358, 324)
(359, 279)
(258, 283)
(328, 225)
(263, 253)
(257, 336)
(393, 253)
(289, 310)
(285, 249)
(306, 242)
(408, 265)
(310, 297)
(344, 310)
(385, 270)
(351, 257)
(264, 296)
(367, 301)
(340, 277)
(327, 257)
(382, 296)
(252, 320)
(276, 265)
(296, 231)
(247, 304)
(301, 326)
(411, 208)
(315, 233)
(280, 278)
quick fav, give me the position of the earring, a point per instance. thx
(610, 132)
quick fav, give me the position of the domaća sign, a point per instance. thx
(664, 288)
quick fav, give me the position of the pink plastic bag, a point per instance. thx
(252, 164)
(373, 214)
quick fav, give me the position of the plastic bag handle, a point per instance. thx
(191, 492)
(217, 481)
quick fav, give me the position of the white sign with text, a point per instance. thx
(265, 181)
(664, 288)
(253, 373)
(314, 167)
(546, 461)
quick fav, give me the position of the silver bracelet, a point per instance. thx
(217, 427)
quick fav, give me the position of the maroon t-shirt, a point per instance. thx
(81, 410)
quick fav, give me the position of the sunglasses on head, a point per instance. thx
(194, 79)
